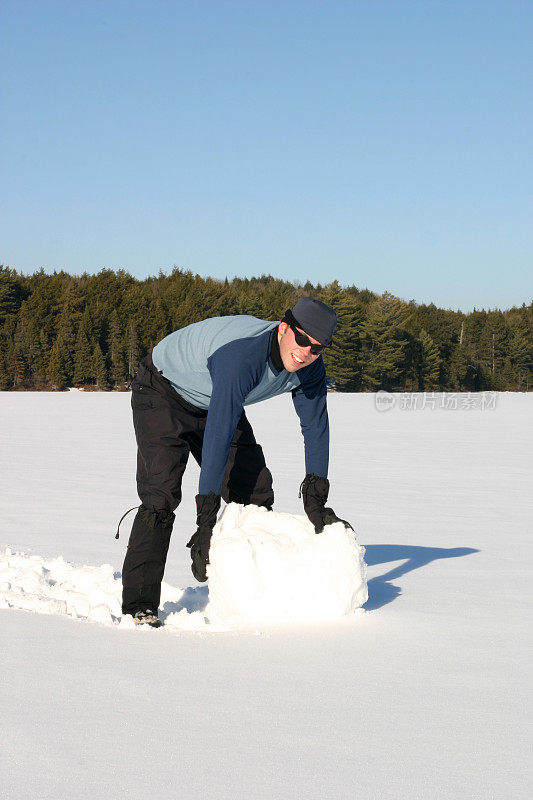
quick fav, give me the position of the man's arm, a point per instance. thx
(310, 403)
(234, 371)
(311, 406)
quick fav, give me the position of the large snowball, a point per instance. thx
(272, 567)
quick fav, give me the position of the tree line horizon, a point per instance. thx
(59, 331)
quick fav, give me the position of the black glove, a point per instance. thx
(315, 492)
(207, 506)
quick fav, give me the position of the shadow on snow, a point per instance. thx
(380, 589)
(194, 598)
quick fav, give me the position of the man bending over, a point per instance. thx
(188, 397)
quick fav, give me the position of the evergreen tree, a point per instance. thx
(7, 347)
(83, 358)
(520, 349)
(12, 292)
(383, 344)
(27, 343)
(332, 295)
(158, 322)
(99, 368)
(132, 349)
(343, 358)
(430, 362)
(465, 374)
(56, 371)
(44, 355)
(5, 380)
(492, 346)
(67, 343)
(90, 328)
(115, 349)
(18, 369)
(33, 352)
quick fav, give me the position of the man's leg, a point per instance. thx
(162, 424)
(145, 560)
(247, 478)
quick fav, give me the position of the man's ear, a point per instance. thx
(282, 327)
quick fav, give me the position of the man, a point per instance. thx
(189, 397)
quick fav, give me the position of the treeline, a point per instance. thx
(61, 330)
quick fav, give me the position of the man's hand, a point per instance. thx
(207, 506)
(315, 492)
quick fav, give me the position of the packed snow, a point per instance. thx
(427, 694)
(92, 594)
(272, 567)
(53, 586)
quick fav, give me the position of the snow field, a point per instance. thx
(426, 696)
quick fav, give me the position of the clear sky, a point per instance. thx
(382, 143)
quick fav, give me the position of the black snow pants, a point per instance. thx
(167, 429)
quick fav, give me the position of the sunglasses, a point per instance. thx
(303, 341)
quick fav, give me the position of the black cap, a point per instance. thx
(315, 318)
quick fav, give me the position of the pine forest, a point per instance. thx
(90, 331)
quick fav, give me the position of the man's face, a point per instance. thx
(293, 356)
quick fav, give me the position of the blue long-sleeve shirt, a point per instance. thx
(223, 364)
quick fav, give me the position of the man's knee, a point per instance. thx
(158, 496)
(148, 547)
(263, 493)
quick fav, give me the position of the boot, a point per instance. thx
(147, 618)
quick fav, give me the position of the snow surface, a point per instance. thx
(426, 695)
(93, 594)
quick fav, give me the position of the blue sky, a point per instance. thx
(385, 144)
